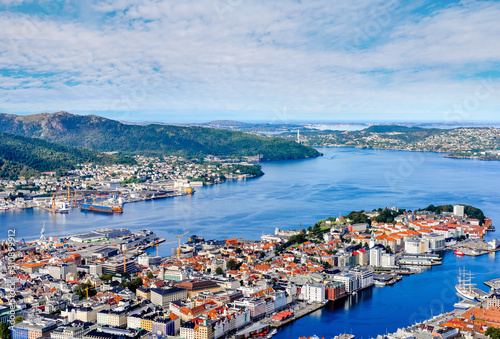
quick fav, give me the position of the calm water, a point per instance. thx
(302, 192)
(383, 309)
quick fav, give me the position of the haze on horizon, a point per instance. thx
(279, 61)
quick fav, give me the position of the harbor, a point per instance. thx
(299, 311)
(105, 201)
(475, 247)
(206, 213)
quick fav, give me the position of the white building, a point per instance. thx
(375, 256)
(413, 246)
(387, 260)
(239, 317)
(458, 210)
(102, 317)
(365, 277)
(436, 242)
(280, 301)
(350, 281)
(95, 269)
(314, 293)
(134, 321)
(174, 273)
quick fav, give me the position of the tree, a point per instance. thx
(388, 249)
(18, 319)
(132, 285)
(238, 250)
(4, 331)
(150, 275)
(231, 265)
(493, 332)
(218, 270)
(106, 277)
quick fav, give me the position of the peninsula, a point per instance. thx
(481, 143)
(102, 284)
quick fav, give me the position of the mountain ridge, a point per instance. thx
(103, 134)
(22, 156)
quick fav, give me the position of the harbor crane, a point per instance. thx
(179, 237)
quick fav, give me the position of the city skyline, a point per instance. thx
(227, 59)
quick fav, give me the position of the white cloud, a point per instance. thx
(256, 57)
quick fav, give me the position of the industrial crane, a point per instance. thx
(87, 290)
(179, 237)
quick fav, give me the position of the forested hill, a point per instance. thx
(103, 134)
(21, 156)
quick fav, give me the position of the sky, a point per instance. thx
(253, 60)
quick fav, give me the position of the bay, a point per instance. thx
(301, 192)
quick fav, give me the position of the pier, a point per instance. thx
(298, 314)
(494, 284)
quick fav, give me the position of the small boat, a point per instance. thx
(459, 253)
(272, 333)
(379, 283)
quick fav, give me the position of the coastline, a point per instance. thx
(448, 155)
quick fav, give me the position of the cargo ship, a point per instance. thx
(101, 208)
(112, 205)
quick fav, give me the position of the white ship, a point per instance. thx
(465, 285)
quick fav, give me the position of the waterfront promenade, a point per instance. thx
(300, 310)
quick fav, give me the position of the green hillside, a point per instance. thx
(21, 156)
(152, 140)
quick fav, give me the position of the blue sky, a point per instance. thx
(282, 60)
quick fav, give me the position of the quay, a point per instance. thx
(475, 248)
(494, 284)
(302, 312)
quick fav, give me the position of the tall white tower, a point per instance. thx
(372, 240)
(42, 232)
(298, 136)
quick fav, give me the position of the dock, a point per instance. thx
(479, 293)
(495, 283)
(298, 314)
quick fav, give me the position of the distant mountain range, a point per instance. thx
(107, 135)
(21, 156)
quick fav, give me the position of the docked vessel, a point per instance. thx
(465, 304)
(109, 206)
(57, 206)
(62, 207)
(459, 253)
(465, 285)
(101, 208)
